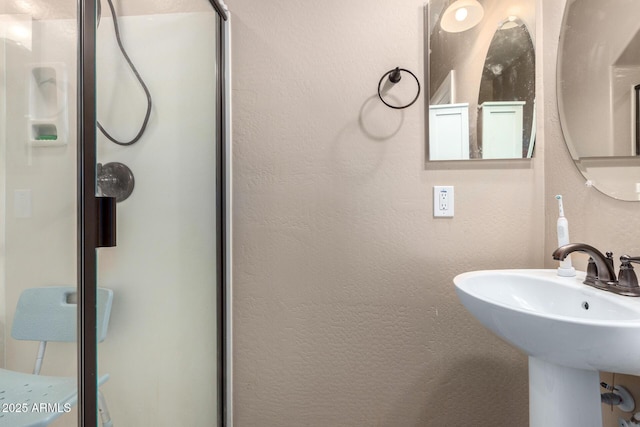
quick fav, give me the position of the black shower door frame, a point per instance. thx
(91, 228)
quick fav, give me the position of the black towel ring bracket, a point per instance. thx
(395, 76)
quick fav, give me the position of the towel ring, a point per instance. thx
(394, 77)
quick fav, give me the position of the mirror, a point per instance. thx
(480, 79)
(598, 79)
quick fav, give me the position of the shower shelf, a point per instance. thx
(48, 107)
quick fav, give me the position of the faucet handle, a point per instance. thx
(627, 258)
(627, 279)
(592, 272)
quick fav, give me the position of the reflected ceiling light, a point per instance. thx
(462, 15)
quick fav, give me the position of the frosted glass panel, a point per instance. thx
(38, 225)
(162, 352)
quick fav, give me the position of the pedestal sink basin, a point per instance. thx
(569, 330)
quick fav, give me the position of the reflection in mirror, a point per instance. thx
(481, 82)
(598, 73)
(506, 102)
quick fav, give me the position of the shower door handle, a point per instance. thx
(106, 207)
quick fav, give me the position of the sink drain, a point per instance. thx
(585, 305)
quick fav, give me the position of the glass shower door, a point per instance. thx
(38, 202)
(62, 77)
(158, 103)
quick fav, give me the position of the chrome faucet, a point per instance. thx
(600, 271)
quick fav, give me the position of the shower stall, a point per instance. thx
(115, 174)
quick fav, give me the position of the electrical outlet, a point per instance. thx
(443, 198)
(443, 201)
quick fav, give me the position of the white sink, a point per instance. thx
(557, 319)
(569, 330)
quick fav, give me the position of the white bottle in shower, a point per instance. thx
(565, 269)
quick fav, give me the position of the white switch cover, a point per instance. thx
(22, 203)
(443, 201)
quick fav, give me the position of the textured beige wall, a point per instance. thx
(344, 308)
(594, 218)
